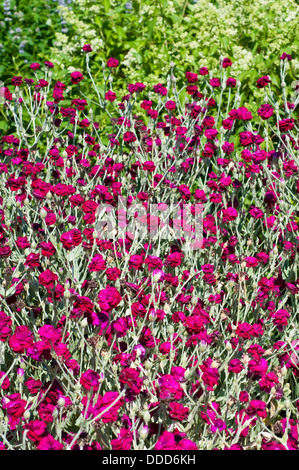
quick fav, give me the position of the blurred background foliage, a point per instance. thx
(145, 35)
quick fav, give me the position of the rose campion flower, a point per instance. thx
(191, 77)
(177, 411)
(110, 96)
(36, 430)
(112, 63)
(129, 137)
(170, 105)
(76, 77)
(160, 89)
(231, 82)
(174, 441)
(218, 425)
(90, 380)
(265, 111)
(215, 82)
(109, 298)
(5, 326)
(226, 63)
(286, 124)
(251, 261)
(71, 239)
(149, 166)
(47, 278)
(21, 340)
(263, 82)
(87, 48)
(235, 366)
(34, 66)
(229, 214)
(5, 383)
(49, 443)
(123, 441)
(203, 71)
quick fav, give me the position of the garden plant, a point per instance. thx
(147, 334)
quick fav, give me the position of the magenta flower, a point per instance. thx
(76, 77)
(218, 425)
(49, 443)
(112, 63)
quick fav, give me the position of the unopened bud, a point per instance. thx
(61, 402)
(66, 294)
(134, 407)
(84, 323)
(171, 330)
(144, 433)
(43, 213)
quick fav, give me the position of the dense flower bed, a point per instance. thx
(150, 342)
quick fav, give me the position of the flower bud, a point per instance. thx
(61, 402)
(43, 213)
(166, 308)
(66, 294)
(143, 433)
(146, 416)
(134, 407)
(156, 277)
(84, 323)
